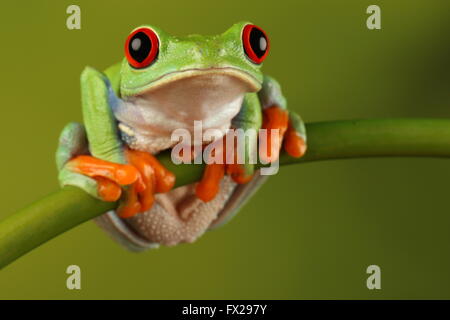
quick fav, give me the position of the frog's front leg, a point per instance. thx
(290, 133)
(291, 129)
(248, 119)
(104, 166)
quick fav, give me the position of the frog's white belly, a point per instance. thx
(147, 122)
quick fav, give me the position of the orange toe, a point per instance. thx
(108, 190)
(164, 179)
(209, 185)
(275, 118)
(294, 144)
(145, 186)
(153, 178)
(122, 174)
(237, 173)
(130, 205)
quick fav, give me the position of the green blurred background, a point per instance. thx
(313, 229)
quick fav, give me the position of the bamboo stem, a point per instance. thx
(70, 206)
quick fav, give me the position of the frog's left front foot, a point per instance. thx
(290, 134)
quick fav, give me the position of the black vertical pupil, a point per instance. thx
(258, 42)
(140, 46)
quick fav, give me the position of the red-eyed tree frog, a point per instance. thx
(130, 110)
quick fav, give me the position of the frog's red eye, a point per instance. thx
(256, 43)
(141, 47)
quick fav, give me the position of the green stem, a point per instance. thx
(69, 207)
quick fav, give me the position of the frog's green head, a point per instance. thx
(155, 59)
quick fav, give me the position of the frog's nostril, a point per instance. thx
(196, 52)
(221, 52)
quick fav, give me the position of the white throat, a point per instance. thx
(214, 99)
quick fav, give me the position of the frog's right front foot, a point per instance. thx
(110, 177)
(134, 183)
(141, 178)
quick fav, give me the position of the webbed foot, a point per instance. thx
(153, 178)
(142, 177)
(289, 136)
(208, 187)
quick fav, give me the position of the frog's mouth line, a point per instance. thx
(253, 84)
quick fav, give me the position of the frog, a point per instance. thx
(130, 110)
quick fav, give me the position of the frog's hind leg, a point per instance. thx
(179, 216)
(153, 178)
